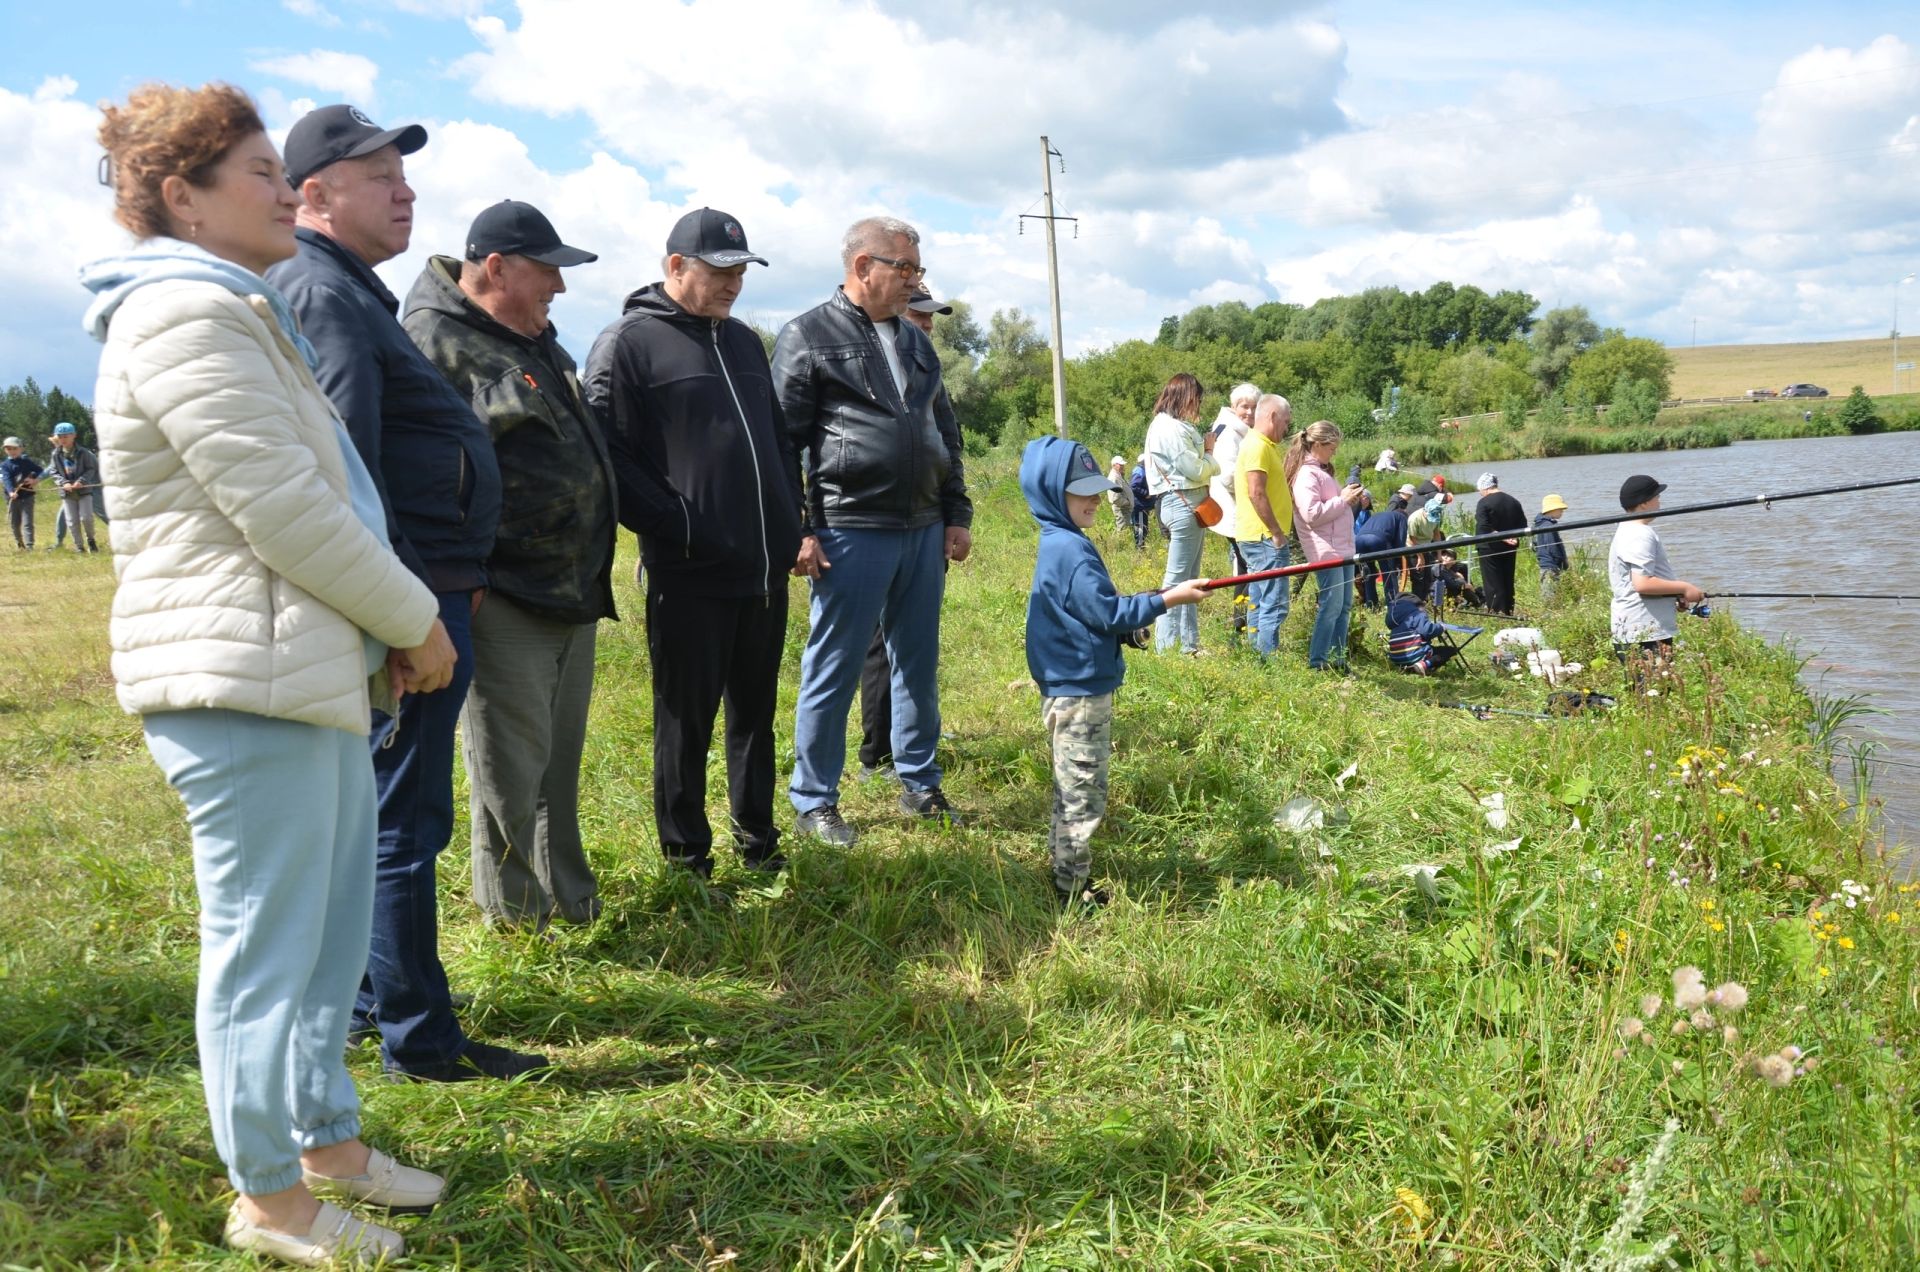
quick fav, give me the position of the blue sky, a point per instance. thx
(1750, 168)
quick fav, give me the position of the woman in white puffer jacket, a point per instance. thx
(257, 593)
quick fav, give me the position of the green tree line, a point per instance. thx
(30, 414)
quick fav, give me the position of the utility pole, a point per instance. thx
(1047, 155)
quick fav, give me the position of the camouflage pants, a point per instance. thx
(1082, 730)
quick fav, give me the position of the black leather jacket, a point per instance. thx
(876, 458)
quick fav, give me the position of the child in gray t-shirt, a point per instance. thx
(1646, 595)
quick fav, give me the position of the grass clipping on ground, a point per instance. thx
(1385, 1031)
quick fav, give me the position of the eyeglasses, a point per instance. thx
(907, 269)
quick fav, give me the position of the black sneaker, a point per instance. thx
(1085, 897)
(479, 1060)
(770, 862)
(931, 805)
(825, 823)
(700, 864)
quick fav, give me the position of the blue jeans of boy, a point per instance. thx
(895, 578)
(1268, 599)
(405, 991)
(283, 823)
(1329, 643)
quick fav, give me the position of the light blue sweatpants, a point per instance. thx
(283, 839)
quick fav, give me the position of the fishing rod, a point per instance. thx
(1500, 536)
(1481, 711)
(1826, 596)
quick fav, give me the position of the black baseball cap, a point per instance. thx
(1084, 476)
(714, 237)
(512, 228)
(922, 302)
(333, 133)
(1637, 489)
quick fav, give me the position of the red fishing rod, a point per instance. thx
(1501, 536)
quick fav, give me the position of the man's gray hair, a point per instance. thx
(1273, 404)
(873, 234)
(1244, 393)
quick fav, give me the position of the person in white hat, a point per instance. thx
(1497, 513)
(1119, 499)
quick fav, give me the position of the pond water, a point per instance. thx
(1838, 543)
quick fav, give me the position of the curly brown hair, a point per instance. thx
(164, 132)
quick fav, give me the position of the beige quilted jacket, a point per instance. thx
(246, 580)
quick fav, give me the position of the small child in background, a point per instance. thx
(1076, 622)
(1548, 549)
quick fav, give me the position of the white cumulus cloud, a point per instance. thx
(349, 76)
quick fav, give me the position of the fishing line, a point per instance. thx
(1527, 532)
(1826, 596)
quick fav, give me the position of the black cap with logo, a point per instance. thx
(333, 133)
(512, 228)
(714, 237)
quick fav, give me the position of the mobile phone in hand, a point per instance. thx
(1353, 475)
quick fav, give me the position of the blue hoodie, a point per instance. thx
(1075, 619)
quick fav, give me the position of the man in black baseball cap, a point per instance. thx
(333, 133)
(433, 462)
(483, 321)
(709, 481)
(922, 305)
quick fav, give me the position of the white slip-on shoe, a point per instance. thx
(336, 1237)
(385, 1183)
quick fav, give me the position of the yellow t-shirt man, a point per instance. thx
(1259, 454)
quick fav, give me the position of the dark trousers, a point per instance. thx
(876, 704)
(20, 518)
(405, 988)
(1142, 517)
(708, 652)
(1496, 579)
(1646, 661)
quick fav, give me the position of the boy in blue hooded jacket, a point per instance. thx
(1075, 625)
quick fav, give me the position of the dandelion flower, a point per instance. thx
(1845, 942)
(1650, 1004)
(1729, 997)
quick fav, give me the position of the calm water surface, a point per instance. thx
(1840, 543)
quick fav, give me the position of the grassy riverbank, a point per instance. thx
(1273, 1050)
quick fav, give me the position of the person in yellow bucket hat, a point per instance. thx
(1548, 550)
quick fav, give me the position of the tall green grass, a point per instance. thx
(1271, 1051)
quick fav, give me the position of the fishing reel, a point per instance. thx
(1702, 610)
(1138, 638)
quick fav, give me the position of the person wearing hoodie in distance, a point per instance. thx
(483, 321)
(1548, 548)
(710, 482)
(243, 503)
(1075, 625)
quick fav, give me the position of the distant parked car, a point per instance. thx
(1803, 390)
(1759, 394)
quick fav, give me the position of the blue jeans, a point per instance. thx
(1181, 624)
(895, 578)
(1270, 598)
(1329, 643)
(282, 819)
(405, 990)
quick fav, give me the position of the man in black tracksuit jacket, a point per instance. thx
(709, 481)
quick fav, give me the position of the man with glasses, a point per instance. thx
(886, 508)
(709, 481)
